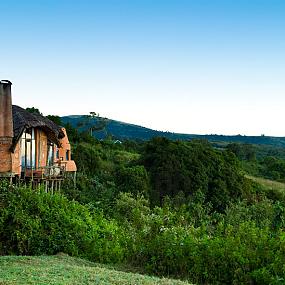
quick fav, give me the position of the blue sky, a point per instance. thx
(196, 66)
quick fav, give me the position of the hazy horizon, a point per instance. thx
(196, 67)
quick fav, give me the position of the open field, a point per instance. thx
(269, 184)
(62, 269)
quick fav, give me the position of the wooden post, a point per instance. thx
(74, 180)
(46, 186)
(52, 184)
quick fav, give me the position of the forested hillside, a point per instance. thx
(181, 209)
(125, 131)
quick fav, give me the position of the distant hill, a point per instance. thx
(124, 131)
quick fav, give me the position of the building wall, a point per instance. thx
(41, 153)
(16, 159)
(64, 151)
(12, 161)
(41, 148)
(5, 155)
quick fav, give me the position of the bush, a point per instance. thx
(243, 246)
(190, 167)
(36, 223)
(133, 179)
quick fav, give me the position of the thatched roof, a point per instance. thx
(23, 120)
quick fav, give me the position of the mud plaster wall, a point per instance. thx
(41, 148)
(5, 154)
(16, 159)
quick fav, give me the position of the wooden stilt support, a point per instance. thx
(74, 180)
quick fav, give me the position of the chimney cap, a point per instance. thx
(5, 82)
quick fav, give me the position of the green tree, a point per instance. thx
(133, 179)
(33, 110)
(56, 119)
(93, 122)
(191, 167)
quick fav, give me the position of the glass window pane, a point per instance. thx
(67, 155)
(50, 157)
(28, 154)
(33, 164)
(23, 152)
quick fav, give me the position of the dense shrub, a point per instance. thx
(242, 246)
(191, 167)
(273, 168)
(105, 169)
(34, 223)
(132, 179)
(88, 158)
(260, 160)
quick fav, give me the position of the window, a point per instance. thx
(67, 155)
(50, 153)
(28, 149)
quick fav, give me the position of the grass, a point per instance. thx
(63, 269)
(269, 184)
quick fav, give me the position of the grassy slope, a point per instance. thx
(62, 269)
(269, 184)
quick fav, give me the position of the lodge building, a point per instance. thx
(31, 146)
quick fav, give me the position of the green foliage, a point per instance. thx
(73, 134)
(243, 151)
(133, 180)
(273, 168)
(35, 223)
(192, 167)
(87, 157)
(55, 119)
(105, 169)
(262, 161)
(92, 122)
(33, 110)
(174, 208)
(243, 246)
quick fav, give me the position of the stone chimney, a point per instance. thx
(6, 126)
